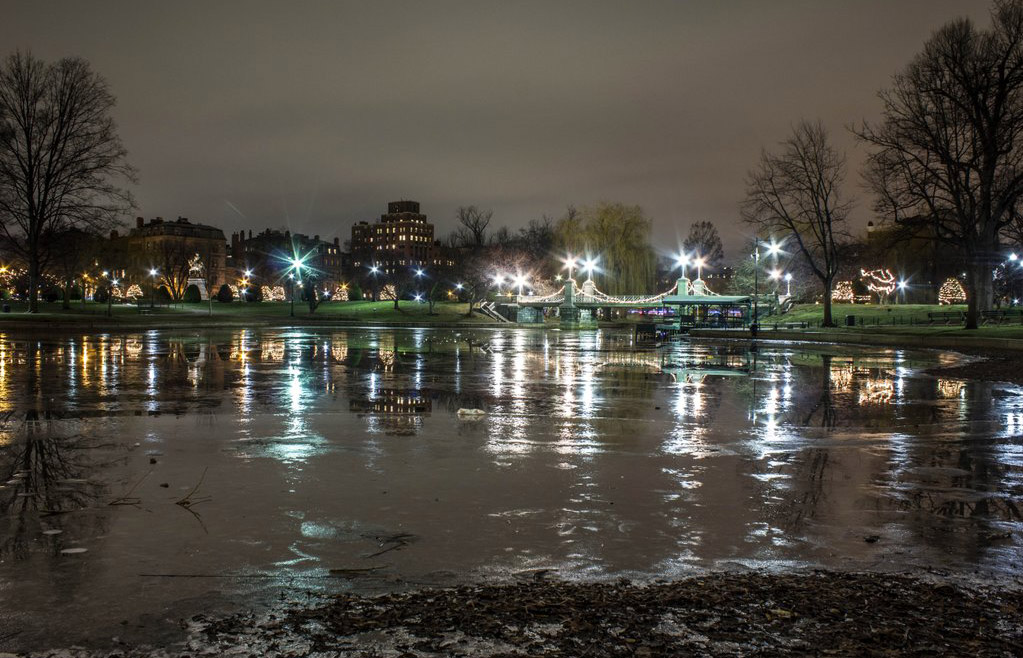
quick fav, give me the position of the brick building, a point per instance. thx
(180, 253)
(401, 238)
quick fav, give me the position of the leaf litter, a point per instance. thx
(720, 614)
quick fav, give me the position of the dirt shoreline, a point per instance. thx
(719, 614)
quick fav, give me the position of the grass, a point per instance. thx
(238, 313)
(902, 319)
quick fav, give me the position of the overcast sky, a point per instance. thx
(315, 115)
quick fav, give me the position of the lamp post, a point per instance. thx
(570, 264)
(373, 271)
(700, 262)
(788, 284)
(152, 288)
(296, 268)
(520, 281)
(589, 265)
(682, 260)
(291, 291)
(110, 298)
(756, 285)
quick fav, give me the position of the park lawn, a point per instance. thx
(869, 313)
(902, 319)
(238, 312)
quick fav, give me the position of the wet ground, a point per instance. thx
(147, 478)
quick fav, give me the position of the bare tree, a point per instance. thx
(703, 239)
(176, 260)
(796, 194)
(472, 231)
(948, 155)
(59, 152)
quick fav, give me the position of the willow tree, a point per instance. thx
(618, 236)
(59, 156)
(947, 157)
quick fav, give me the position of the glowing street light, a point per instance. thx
(589, 265)
(498, 279)
(570, 263)
(788, 284)
(419, 272)
(459, 286)
(520, 282)
(774, 249)
(248, 274)
(682, 260)
(152, 287)
(699, 262)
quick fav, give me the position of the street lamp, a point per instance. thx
(756, 288)
(152, 287)
(700, 262)
(682, 260)
(776, 277)
(589, 265)
(291, 291)
(570, 263)
(520, 281)
(110, 297)
(788, 284)
(902, 285)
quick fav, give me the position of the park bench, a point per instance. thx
(945, 317)
(998, 316)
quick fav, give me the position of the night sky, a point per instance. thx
(315, 115)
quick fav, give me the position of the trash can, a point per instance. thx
(850, 320)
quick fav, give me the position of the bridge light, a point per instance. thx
(590, 264)
(498, 279)
(700, 262)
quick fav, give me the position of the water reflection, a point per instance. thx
(591, 453)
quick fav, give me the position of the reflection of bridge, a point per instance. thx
(696, 304)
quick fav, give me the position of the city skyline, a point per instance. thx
(306, 119)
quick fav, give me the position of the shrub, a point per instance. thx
(355, 293)
(192, 295)
(224, 294)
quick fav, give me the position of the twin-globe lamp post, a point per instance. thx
(773, 249)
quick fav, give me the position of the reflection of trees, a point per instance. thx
(45, 479)
(825, 405)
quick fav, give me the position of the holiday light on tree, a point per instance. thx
(274, 294)
(843, 292)
(341, 293)
(880, 282)
(134, 292)
(952, 292)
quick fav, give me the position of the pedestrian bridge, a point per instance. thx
(575, 304)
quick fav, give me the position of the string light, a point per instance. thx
(951, 292)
